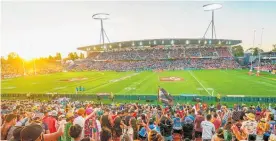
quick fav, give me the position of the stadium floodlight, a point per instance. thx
(187, 42)
(212, 7)
(102, 17)
(172, 42)
(258, 72)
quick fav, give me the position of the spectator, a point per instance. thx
(50, 121)
(8, 127)
(249, 127)
(216, 121)
(75, 132)
(208, 128)
(198, 127)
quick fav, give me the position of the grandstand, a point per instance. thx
(167, 54)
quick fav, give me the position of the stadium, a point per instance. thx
(184, 67)
(154, 89)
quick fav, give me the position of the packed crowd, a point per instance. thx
(161, 53)
(195, 63)
(84, 121)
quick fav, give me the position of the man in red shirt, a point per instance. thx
(50, 121)
(198, 129)
(216, 121)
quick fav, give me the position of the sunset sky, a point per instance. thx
(34, 29)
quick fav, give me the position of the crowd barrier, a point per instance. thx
(141, 97)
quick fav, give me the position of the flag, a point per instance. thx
(164, 96)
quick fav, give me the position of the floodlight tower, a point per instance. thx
(251, 68)
(212, 7)
(259, 64)
(102, 17)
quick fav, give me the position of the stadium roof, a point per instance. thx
(168, 41)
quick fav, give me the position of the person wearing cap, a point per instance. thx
(69, 119)
(34, 132)
(249, 127)
(262, 127)
(188, 128)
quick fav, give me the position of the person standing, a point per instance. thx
(249, 127)
(208, 128)
(198, 129)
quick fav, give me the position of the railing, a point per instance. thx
(142, 97)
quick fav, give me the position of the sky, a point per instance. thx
(35, 29)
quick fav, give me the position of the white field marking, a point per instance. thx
(257, 82)
(8, 88)
(109, 83)
(58, 88)
(133, 85)
(199, 83)
(123, 78)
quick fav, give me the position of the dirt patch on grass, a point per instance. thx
(74, 79)
(172, 78)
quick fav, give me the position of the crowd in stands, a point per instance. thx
(66, 120)
(195, 63)
(158, 59)
(9, 71)
(161, 53)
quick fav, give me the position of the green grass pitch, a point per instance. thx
(199, 82)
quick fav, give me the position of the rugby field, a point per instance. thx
(199, 82)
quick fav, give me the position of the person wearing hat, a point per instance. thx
(69, 119)
(249, 126)
(80, 119)
(262, 127)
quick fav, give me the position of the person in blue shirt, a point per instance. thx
(177, 124)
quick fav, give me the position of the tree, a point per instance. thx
(50, 57)
(3, 60)
(255, 50)
(58, 56)
(81, 55)
(76, 56)
(238, 51)
(274, 48)
(71, 56)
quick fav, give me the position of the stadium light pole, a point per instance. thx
(102, 17)
(258, 72)
(212, 7)
(251, 68)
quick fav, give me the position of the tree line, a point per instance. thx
(238, 51)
